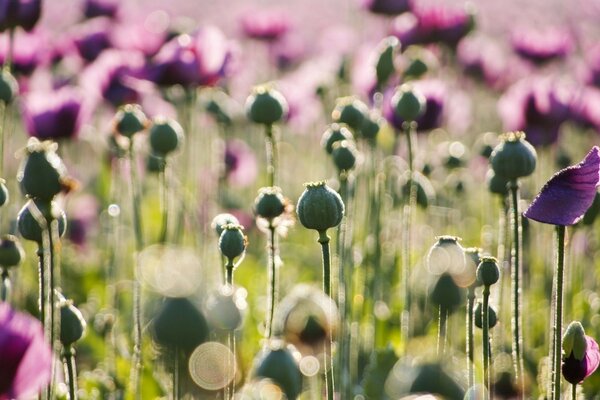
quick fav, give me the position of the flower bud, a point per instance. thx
(179, 324)
(11, 252)
(574, 341)
(344, 155)
(320, 207)
(221, 220)
(335, 133)
(409, 104)
(4, 197)
(266, 105)
(72, 323)
(29, 226)
(492, 316)
(350, 111)
(9, 88)
(129, 120)
(269, 203)
(514, 157)
(42, 172)
(487, 271)
(446, 293)
(279, 365)
(232, 241)
(166, 136)
(387, 51)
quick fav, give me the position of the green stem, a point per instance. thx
(175, 373)
(573, 391)
(70, 370)
(470, 343)
(486, 339)
(165, 203)
(273, 279)
(329, 384)
(3, 134)
(560, 263)
(229, 272)
(516, 286)
(442, 328)
(42, 283)
(4, 285)
(271, 152)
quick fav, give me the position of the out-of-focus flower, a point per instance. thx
(541, 46)
(482, 58)
(83, 219)
(240, 163)
(29, 51)
(287, 52)
(435, 94)
(433, 24)
(536, 106)
(581, 355)
(25, 354)
(265, 24)
(100, 8)
(593, 66)
(24, 13)
(585, 108)
(146, 36)
(199, 59)
(565, 198)
(92, 38)
(54, 115)
(386, 7)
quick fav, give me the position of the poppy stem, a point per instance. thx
(70, 371)
(271, 152)
(573, 391)
(486, 339)
(165, 202)
(273, 279)
(4, 285)
(442, 328)
(470, 343)
(557, 347)
(329, 384)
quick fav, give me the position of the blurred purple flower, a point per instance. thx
(435, 93)
(287, 52)
(593, 65)
(147, 36)
(100, 8)
(240, 163)
(386, 7)
(24, 13)
(92, 38)
(25, 354)
(568, 194)
(199, 59)
(536, 106)
(265, 24)
(585, 108)
(83, 219)
(574, 370)
(53, 115)
(30, 50)
(433, 24)
(482, 58)
(541, 46)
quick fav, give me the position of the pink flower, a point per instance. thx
(265, 24)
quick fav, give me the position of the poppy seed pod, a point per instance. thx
(11, 252)
(29, 226)
(446, 255)
(446, 293)
(4, 197)
(42, 172)
(370, 127)
(179, 324)
(72, 323)
(335, 133)
(385, 66)
(266, 105)
(496, 184)
(320, 207)
(409, 104)
(344, 155)
(269, 203)
(221, 220)
(232, 241)
(487, 271)
(514, 157)
(166, 136)
(224, 309)
(129, 120)
(473, 259)
(492, 316)
(279, 365)
(9, 88)
(350, 111)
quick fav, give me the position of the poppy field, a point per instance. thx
(350, 200)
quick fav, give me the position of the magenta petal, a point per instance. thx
(592, 356)
(568, 194)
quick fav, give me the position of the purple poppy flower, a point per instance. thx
(585, 108)
(199, 59)
(536, 106)
(483, 59)
(92, 38)
(386, 7)
(100, 8)
(53, 115)
(24, 13)
(265, 24)
(581, 355)
(593, 66)
(433, 24)
(240, 163)
(25, 354)
(565, 198)
(435, 93)
(541, 46)
(287, 52)
(146, 36)
(30, 51)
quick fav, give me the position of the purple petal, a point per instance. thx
(568, 194)
(592, 356)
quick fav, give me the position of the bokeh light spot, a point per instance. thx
(212, 366)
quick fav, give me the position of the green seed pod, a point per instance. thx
(166, 135)
(155, 164)
(28, 225)
(179, 324)
(129, 120)
(72, 323)
(478, 313)
(270, 203)
(574, 341)
(320, 207)
(232, 241)
(446, 293)
(42, 172)
(417, 62)
(279, 365)
(514, 157)
(409, 104)
(344, 155)
(496, 184)
(350, 111)
(223, 310)
(9, 87)
(4, 197)
(335, 133)
(473, 259)
(221, 220)
(488, 272)
(387, 51)
(11, 252)
(446, 255)
(432, 378)
(425, 190)
(266, 105)
(370, 127)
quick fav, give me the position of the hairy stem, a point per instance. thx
(329, 384)
(486, 338)
(559, 276)
(470, 343)
(273, 279)
(517, 327)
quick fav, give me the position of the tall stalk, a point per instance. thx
(329, 383)
(486, 339)
(470, 343)
(271, 153)
(558, 304)
(70, 371)
(273, 279)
